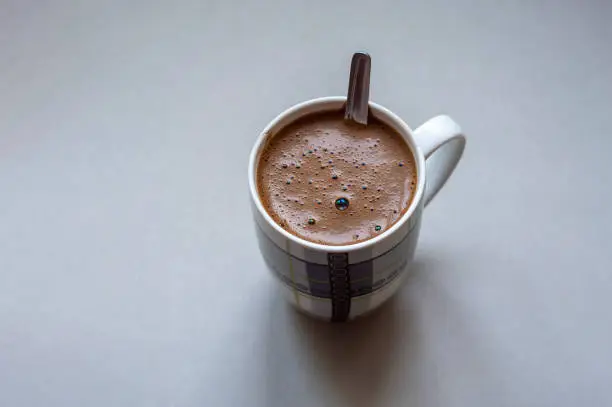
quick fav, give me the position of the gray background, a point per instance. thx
(129, 271)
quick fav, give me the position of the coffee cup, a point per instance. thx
(340, 283)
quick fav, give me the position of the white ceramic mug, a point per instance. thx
(338, 283)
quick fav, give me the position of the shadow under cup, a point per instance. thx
(337, 283)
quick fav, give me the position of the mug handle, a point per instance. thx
(442, 143)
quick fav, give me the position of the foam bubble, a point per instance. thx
(342, 204)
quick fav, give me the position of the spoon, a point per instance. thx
(359, 89)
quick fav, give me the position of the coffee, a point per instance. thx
(333, 182)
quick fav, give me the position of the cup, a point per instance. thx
(340, 283)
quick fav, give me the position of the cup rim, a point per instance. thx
(381, 113)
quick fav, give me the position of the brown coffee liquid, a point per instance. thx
(336, 183)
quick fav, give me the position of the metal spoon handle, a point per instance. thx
(359, 89)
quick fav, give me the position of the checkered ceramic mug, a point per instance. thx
(339, 283)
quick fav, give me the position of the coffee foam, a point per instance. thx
(313, 162)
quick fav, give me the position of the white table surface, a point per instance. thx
(129, 270)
